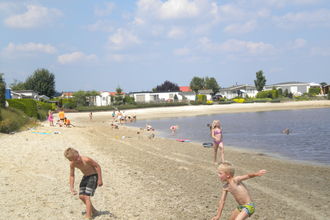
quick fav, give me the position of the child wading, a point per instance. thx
(91, 179)
(234, 185)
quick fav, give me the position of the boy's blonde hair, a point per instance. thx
(70, 152)
(228, 168)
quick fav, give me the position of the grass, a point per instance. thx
(14, 120)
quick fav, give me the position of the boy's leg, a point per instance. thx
(234, 214)
(242, 215)
(90, 210)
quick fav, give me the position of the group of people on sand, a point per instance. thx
(61, 122)
(92, 178)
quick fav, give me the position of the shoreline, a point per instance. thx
(147, 178)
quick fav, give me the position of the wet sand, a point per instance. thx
(151, 178)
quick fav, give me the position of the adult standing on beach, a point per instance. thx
(216, 133)
(61, 115)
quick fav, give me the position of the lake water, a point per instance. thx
(308, 141)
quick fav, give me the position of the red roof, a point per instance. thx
(115, 93)
(185, 89)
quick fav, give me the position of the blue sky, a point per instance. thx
(137, 45)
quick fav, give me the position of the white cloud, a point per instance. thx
(253, 48)
(75, 57)
(122, 39)
(238, 47)
(101, 25)
(30, 47)
(241, 28)
(319, 18)
(35, 16)
(298, 43)
(279, 3)
(172, 9)
(318, 51)
(181, 51)
(175, 33)
(106, 10)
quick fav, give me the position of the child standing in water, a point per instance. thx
(234, 185)
(216, 133)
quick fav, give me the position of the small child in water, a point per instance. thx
(216, 133)
(234, 185)
(91, 179)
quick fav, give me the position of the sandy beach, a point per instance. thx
(151, 178)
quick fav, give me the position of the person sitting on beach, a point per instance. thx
(67, 123)
(91, 179)
(216, 133)
(234, 185)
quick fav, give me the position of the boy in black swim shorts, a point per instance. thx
(91, 179)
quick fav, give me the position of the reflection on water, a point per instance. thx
(309, 139)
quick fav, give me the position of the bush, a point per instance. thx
(201, 98)
(14, 119)
(239, 100)
(329, 95)
(273, 94)
(314, 91)
(28, 106)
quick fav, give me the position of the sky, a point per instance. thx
(138, 44)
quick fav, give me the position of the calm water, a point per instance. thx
(261, 131)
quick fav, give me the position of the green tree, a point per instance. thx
(313, 91)
(280, 92)
(2, 91)
(197, 83)
(260, 82)
(80, 98)
(167, 86)
(211, 83)
(17, 85)
(323, 85)
(41, 81)
(286, 93)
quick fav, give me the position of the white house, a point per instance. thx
(238, 90)
(147, 97)
(24, 94)
(296, 88)
(189, 96)
(207, 93)
(104, 99)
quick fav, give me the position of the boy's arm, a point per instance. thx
(221, 205)
(250, 175)
(72, 179)
(98, 170)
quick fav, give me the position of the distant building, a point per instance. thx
(24, 94)
(67, 95)
(296, 88)
(147, 97)
(8, 94)
(185, 89)
(238, 91)
(104, 99)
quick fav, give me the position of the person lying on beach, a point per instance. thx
(91, 179)
(234, 185)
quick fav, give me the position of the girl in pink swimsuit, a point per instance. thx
(216, 133)
(50, 118)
